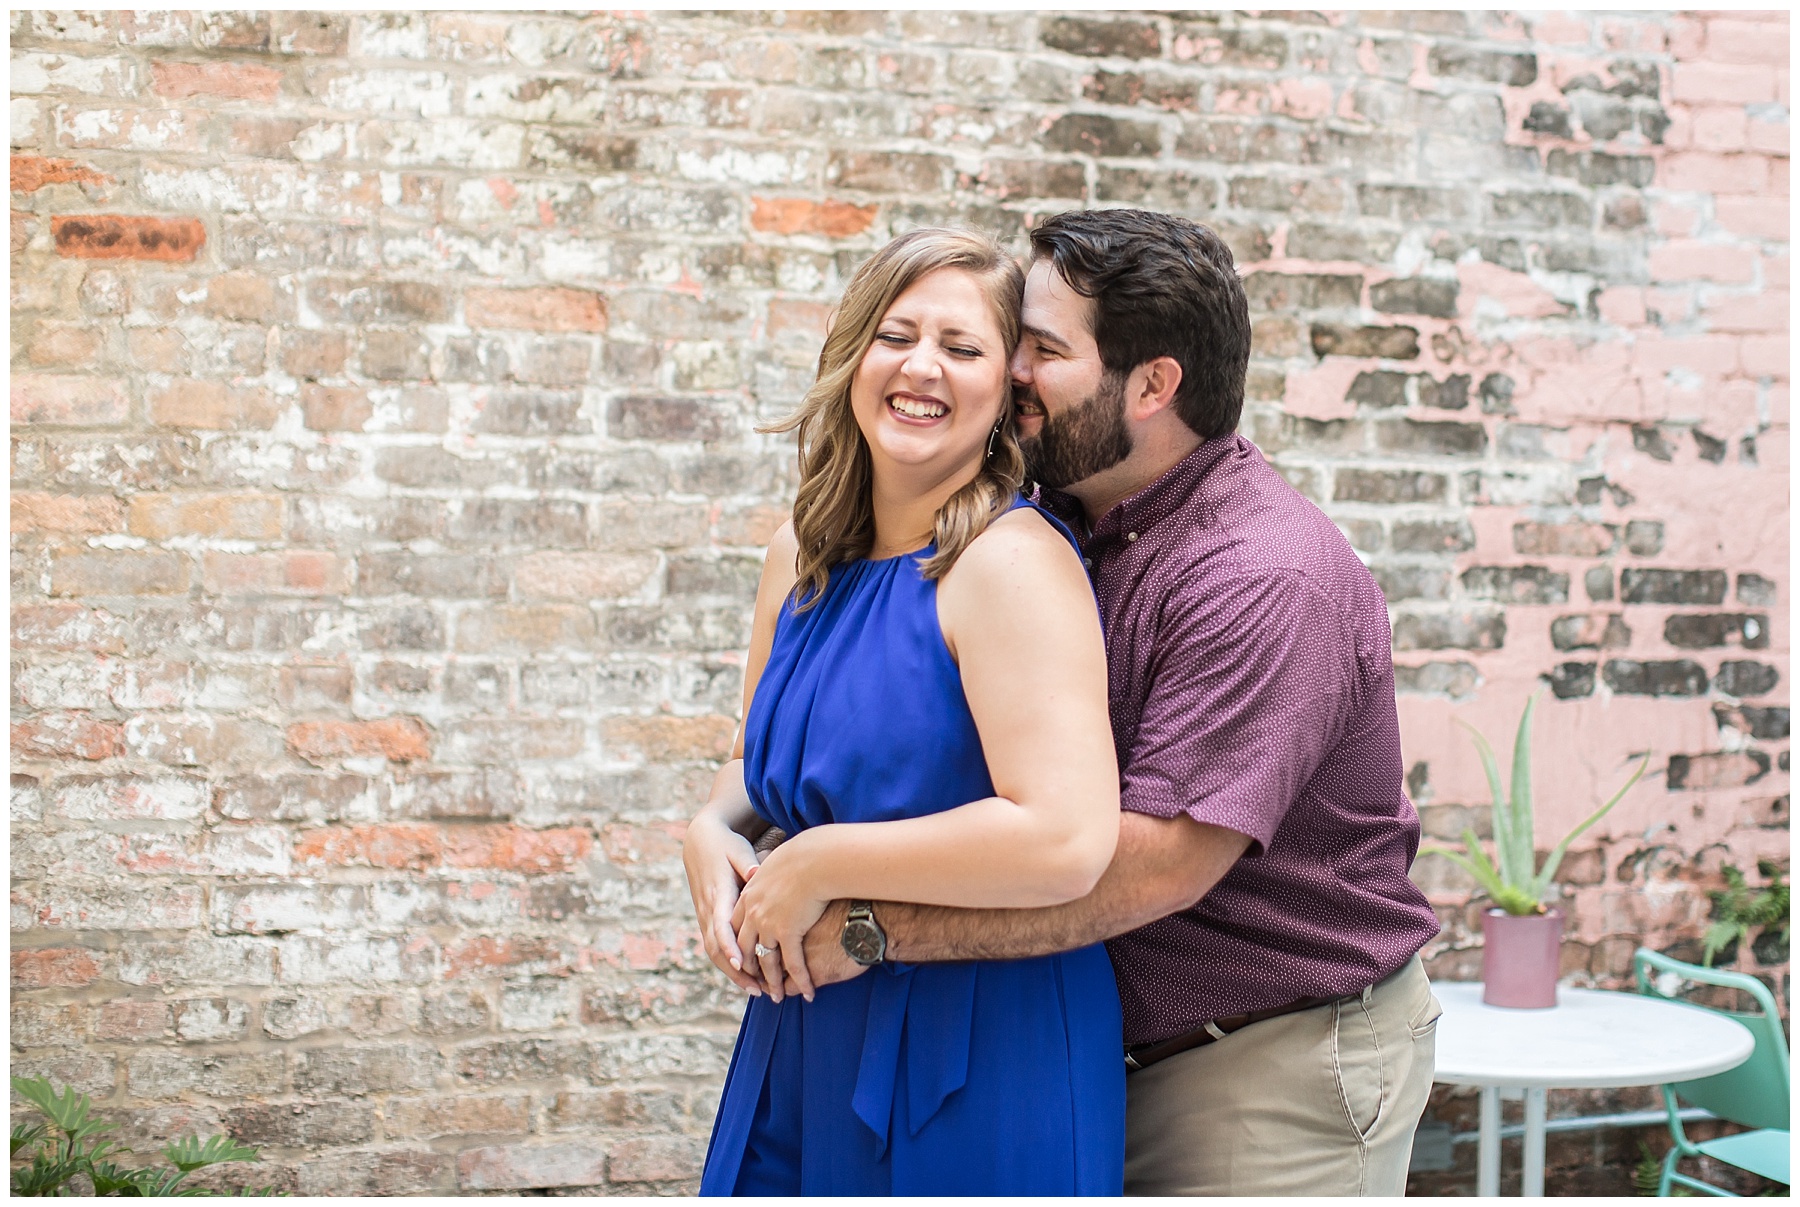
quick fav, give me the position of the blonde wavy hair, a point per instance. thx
(833, 517)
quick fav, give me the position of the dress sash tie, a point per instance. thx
(941, 999)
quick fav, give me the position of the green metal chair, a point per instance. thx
(1755, 1094)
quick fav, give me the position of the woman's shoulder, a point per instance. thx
(1023, 543)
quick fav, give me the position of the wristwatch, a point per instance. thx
(864, 940)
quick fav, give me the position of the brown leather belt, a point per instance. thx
(1140, 1056)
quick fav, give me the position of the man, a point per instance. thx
(1278, 1024)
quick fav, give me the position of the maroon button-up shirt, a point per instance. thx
(1251, 683)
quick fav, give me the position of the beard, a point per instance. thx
(1083, 440)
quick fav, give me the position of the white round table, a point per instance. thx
(1589, 1039)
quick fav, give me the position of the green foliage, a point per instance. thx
(1512, 879)
(75, 1152)
(1738, 909)
(1646, 1176)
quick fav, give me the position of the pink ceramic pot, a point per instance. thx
(1520, 958)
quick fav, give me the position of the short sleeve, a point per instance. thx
(1249, 690)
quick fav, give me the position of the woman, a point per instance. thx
(926, 716)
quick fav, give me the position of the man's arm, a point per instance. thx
(1161, 866)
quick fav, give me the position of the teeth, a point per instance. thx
(917, 409)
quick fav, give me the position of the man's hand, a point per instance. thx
(825, 957)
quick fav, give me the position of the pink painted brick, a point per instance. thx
(1622, 304)
(1687, 37)
(1687, 260)
(1775, 272)
(1762, 311)
(1766, 356)
(1720, 128)
(1732, 40)
(1741, 84)
(1712, 172)
(1709, 355)
(1766, 217)
(1558, 29)
(1675, 220)
(1767, 136)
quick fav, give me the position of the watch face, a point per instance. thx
(863, 941)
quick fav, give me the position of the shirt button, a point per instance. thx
(1131, 536)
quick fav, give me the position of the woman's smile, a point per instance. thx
(917, 408)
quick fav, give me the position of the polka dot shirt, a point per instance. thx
(1252, 687)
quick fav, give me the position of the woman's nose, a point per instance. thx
(923, 363)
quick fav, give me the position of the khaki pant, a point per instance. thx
(1321, 1102)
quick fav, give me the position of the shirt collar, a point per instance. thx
(1170, 493)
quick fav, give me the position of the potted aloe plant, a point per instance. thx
(1521, 935)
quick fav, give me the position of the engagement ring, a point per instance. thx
(763, 953)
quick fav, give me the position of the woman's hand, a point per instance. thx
(777, 907)
(719, 861)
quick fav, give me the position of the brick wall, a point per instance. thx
(386, 507)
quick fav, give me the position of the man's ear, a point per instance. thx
(1151, 387)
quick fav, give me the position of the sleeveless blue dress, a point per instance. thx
(999, 1077)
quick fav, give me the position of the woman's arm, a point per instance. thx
(1019, 616)
(716, 851)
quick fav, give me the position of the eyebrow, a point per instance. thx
(1045, 337)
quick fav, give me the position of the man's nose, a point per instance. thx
(1020, 368)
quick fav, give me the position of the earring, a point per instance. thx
(993, 436)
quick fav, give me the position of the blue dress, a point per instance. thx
(997, 1077)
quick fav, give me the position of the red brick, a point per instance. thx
(553, 574)
(515, 848)
(525, 1166)
(54, 968)
(67, 735)
(336, 408)
(289, 572)
(245, 297)
(460, 1116)
(78, 571)
(242, 517)
(753, 527)
(655, 1159)
(67, 626)
(665, 739)
(239, 81)
(796, 216)
(384, 846)
(214, 405)
(57, 345)
(483, 951)
(629, 844)
(69, 401)
(34, 511)
(400, 739)
(535, 309)
(32, 172)
(127, 237)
